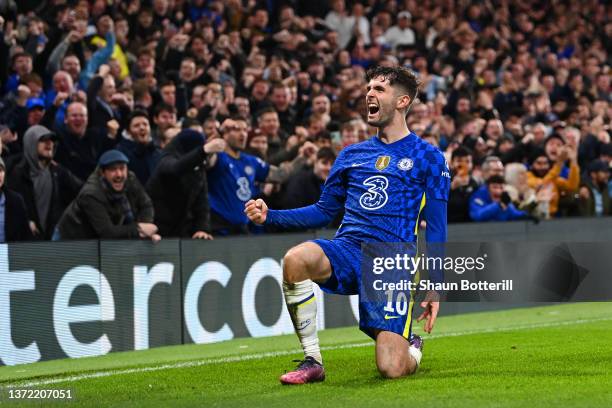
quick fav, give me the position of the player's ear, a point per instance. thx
(403, 102)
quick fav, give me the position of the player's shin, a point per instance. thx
(302, 307)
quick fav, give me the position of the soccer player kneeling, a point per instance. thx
(385, 185)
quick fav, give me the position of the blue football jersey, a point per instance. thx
(382, 187)
(231, 183)
(386, 186)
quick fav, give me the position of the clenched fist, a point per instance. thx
(214, 146)
(256, 210)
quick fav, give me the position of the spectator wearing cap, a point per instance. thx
(80, 146)
(495, 204)
(13, 214)
(111, 205)
(33, 113)
(179, 188)
(462, 185)
(233, 176)
(594, 196)
(401, 33)
(136, 143)
(46, 186)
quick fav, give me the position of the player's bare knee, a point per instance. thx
(391, 369)
(294, 266)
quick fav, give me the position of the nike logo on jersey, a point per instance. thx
(358, 164)
(387, 317)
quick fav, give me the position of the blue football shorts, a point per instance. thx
(345, 257)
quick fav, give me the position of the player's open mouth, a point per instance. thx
(373, 109)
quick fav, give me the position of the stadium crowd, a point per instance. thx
(161, 118)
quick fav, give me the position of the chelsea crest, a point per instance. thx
(405, 164)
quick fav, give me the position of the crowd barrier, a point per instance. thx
(86, 298)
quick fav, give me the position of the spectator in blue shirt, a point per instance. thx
(491, 203)
(233, 177)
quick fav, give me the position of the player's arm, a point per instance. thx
(316, 215)
(435, 213)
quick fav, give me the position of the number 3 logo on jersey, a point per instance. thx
(376, 196)
(244, 190)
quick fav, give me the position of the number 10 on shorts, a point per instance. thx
(401, 303)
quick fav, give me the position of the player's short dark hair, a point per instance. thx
(495, 179)
(398, 77)
(461, 151)
(326, 153)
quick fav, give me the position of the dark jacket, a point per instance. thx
(95, 214)
(459, 202)
(179, 188)
(303, 188)
(99, 111)
(16, 226)
(66, 186)
(587, 206)
(143, 158)
(80, 154)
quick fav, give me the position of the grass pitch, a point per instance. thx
(553, 356)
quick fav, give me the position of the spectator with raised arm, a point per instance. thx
(233, 176)
(179, 186)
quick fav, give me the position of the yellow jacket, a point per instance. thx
(560, 184)
(118, 55)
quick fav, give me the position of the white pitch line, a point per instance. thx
(258, 356)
